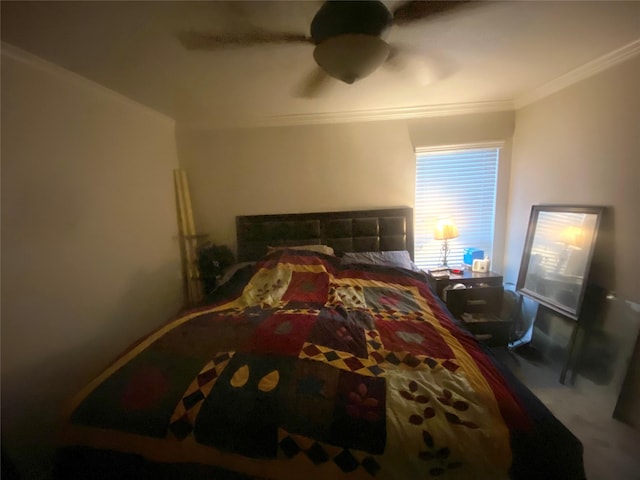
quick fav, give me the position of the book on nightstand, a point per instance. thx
(442, 272)
(439, 269)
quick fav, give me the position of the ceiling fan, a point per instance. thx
(348, 37)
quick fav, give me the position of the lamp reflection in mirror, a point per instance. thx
(573, 236)
(445, 230)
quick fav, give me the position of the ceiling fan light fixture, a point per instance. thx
(351, 57)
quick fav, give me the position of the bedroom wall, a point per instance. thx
(294, 169)
(90, 259)
(318, 167)
(582, 146)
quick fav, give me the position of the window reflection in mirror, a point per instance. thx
(557, 256)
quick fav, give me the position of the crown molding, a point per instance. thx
(398, 113)
(401, 113)
(581, 73)
(587, 70)
(22, 56)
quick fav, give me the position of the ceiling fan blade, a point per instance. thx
(314, 84)
(423, 67)
(192, 40)
(416, 10)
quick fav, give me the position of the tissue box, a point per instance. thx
(471, 254)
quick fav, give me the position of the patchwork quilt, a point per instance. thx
(314, 368)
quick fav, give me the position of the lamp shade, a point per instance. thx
(350, 57)
(445, 230)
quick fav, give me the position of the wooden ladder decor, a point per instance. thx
(188, 239)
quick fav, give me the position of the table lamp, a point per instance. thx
(445, 230)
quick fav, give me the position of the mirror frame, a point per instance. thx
(532, 235)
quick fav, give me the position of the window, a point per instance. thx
(460, 184)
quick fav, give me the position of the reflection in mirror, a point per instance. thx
(557, 256)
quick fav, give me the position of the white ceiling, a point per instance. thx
(491, 56)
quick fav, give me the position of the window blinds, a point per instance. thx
(458, 184)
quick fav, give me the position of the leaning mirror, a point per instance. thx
(557, 256)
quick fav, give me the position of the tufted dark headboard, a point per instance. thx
(351, 231)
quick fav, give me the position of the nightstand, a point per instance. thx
(470, 279)
(478, 304)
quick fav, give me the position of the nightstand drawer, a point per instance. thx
(490, 329)
(439, 280)
(487, 300)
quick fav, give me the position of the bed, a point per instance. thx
(325, 355)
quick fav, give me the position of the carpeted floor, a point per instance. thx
(611, 448)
